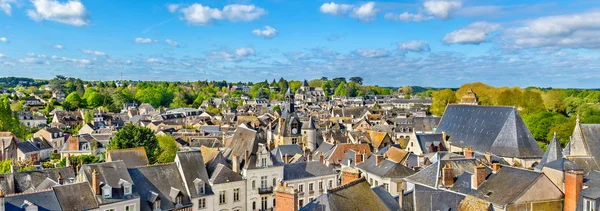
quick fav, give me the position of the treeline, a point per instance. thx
(544, 111)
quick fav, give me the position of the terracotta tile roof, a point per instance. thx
(340, 150)
(396, 154)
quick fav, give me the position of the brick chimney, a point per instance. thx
(96, 182)
(246, 155)
(496, 167)
(358, 158)
(448, 175)
(378, 159)
(286, 198)
(321, 158)
(488, 157)
(235, 163)
(349, 175)
(478, 176)
(469, 152)
(573, 186)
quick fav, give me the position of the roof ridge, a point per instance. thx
(362, 179)
(27, 193)
(156, 164)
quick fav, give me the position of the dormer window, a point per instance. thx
(179, 200)
(126, 187)
(200, 186)
(107, 191)
(156, 205)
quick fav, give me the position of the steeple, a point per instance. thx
(554, 152)
(305, 83)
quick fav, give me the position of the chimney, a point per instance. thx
(573, 186)
(469, 152)
(321, 158)
(68, 160)
(286, 159)
(349, 175)
(235, 163)
(478, 176)
(496, 167)
(401, 198)
(444, 136)
(378, 159)
(95, 182)
(420, 160)
(286, 198)
(246, 155)
(358, 158)
(448, 175)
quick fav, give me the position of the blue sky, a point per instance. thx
(440, 43)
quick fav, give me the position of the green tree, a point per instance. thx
(358, 80)
(131, 136)
(5, 166)
(168, 148)
(340, 90)
(326, 86)
(531, 102)
(553, 101)
(94, 99)
(405, 90)
(441, 99)
(73, 101)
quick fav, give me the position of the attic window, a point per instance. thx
(199, 186)
(127, 189)
(107, 191)
(156, 205)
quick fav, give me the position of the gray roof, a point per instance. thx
(28, 181)
(293, 171)
(27, 147)
(431, 174)
(192, 165)
(507, 185)
(223, 174)
(324, 148)
(111, 174)
(426, 198)
(44, 200)
(386, 169)
(425, 140)
(587, 136)
(243, 140)
(78, 196)
(494, 129)
(356, 195)
(131, 157)
(158, 179)
(288, 149)
(563, 164)
(390, 202)
(554, 152)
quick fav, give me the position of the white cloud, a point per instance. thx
(202, 15)
(58, 46)
(474, 33)
(244, 52)
(442, 8)
(335, 9)
(93, 53)
(172, 43)
(372, 53)
(72, 12)
(142, 40)
(2, 55)
(5, 6)
(366, 12)
(173, 7)
(563, 31)
(267, 32)
(3, 39)
(153, 60)
(415, 46)
(407, 17)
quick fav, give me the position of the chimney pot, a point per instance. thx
(468, 152)
(358, 158)
(496, 167)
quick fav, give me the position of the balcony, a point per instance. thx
(267, 190)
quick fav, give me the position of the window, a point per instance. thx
(263, 182)
(294, 140)
(179, 200)
(263, 162)
(263, 203)
(157, 204)
(301, 203)
(253, 205)
(589, 205)
(371, 181)
(201, 204)
(222, 199)
(274, 182)
(127, 189)
(376, 183)
(236, 194)
(200, 186)
(320, 185)
(310, 199)
(301, 188)
(130, 207)
(253, 184)
(386, 186)
(107, 192)
(109, 210)
(310, 187)
(330, 184)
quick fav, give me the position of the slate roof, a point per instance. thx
(324, 149)
(192, 165)
(425, 123)
(425, 140)
(553, 152)
(244, 139)
(78, 196)
(507, 185)
(385, 169)
(223, 174)
(294, 171)
(27, 147)
(494, 129)
(132, 157)
(289, 149)
(430, 175)
(111, 174)
(45, 201)
(356, 195)
(150, 180)
(28, 181)
(588, 137)
(426, 198)
(390, 202)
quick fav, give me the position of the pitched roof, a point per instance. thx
(45, 201)
(356, 194)
(494, 129)
(294, 171)
(150, 183)
(244, 139)
(193, 167)
(586, 138)
(340, 150)
(132, 157)
(208, 154)
(507, 185)
(223, 174)
(26, 181)
(377, 138)
(385, 169)
(396, 154)
(390, 202)
(288, 149)
(554, 152)
(78, 196)
(430, 175)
